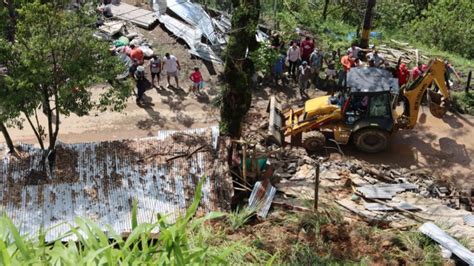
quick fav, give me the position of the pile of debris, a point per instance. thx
(206, 35)
(121, 35)
(388, 197)
(407, 54)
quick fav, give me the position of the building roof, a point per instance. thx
(100, 180)
(371, 79)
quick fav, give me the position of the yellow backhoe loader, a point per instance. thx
(364, 113)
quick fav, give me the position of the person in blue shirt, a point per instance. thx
(278, 68)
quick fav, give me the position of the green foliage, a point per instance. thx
(393, 15)
(264, 58)
(463, 102)
(53, 63)
(418, 249)
(240, 217)
(447, 25)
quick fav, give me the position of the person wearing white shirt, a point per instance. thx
(376, 57)
(293, 55)
(171, 64)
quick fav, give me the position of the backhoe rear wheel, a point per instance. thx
(313, 141)
(371, 140)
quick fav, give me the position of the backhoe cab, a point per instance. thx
(365, 112)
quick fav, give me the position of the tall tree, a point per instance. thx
(364, 41)
(51, 65)
(7, 22)
(325, 9)
(239, 69)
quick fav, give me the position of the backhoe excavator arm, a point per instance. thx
(414, 93)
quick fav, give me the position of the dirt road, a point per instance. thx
(164, 109)
(444, 147)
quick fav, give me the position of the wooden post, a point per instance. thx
(316, 188)
(244, 161)
(468, 85)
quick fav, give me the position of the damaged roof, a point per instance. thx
(100, 180)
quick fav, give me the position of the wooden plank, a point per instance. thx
(138, 16)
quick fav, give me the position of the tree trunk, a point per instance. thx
(12, 24)
(238, 69)
(325, 9)
(364, 41)
(7, 137)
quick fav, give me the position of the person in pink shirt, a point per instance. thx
(196, 78)
(307, 48)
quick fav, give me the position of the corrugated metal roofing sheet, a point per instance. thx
(107, 176)
(261, 198)
(385, 191)
(195, 15)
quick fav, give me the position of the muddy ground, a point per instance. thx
(445, 146)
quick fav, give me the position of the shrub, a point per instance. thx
(463, 102)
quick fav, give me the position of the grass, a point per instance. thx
(418, 249)
(463, 102)
(239, 217)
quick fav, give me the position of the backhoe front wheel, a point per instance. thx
(313, 141)
(371, 140)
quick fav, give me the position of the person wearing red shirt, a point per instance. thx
(416, 71)
(402, 74)
(196, 78)
(307, 48)
(136, 54)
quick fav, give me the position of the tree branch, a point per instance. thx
(38, 136)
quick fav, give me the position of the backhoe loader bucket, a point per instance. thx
(437, 104)
(275, 122)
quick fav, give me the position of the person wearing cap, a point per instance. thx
(304, 75)
(141, 83)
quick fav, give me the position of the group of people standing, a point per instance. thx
(171, 66)
(305, 63)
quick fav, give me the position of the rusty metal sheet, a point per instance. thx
(262, 197)
(100, 180)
